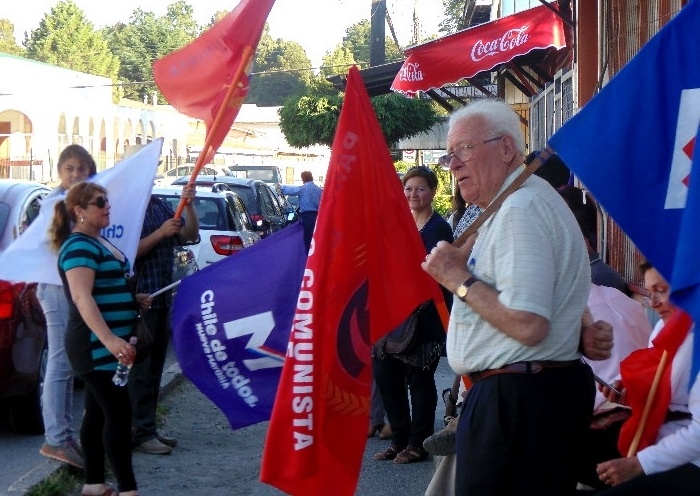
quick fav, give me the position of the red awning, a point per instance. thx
(466, 53)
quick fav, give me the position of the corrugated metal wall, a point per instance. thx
(628, 25)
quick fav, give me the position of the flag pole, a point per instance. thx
(647, 406)
(245, 59)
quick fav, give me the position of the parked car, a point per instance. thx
(264, 206)
(225, 227)
(186, 171)
(23, 344)
(270, 174)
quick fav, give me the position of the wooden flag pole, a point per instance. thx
(647, 406)
(245, 59)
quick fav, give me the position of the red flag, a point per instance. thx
(213, 70)
(362, 278)
(638, 371)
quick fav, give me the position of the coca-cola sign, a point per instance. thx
(465, 54)
(410, 72)
(511, 39)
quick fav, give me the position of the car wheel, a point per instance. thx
(25, 411)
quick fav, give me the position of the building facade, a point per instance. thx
(44, 108)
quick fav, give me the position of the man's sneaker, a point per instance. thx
(153, 447)
(166, 440)
(66, 454)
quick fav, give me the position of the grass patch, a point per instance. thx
(60, 483)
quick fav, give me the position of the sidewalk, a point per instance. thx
(46, 467)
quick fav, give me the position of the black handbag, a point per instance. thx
(402, 339)
(144, 336)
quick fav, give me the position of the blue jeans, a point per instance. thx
(57, 397)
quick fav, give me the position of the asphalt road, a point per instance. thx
(213, 459)
(210, 457)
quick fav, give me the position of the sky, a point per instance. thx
(317, 25)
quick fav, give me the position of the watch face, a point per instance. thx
(461, 291)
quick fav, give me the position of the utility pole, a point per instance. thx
(377, 43)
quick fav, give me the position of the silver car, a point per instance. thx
(23, 346)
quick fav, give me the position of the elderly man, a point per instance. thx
(521, 289)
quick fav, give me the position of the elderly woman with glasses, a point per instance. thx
(102, 315)
(415, 368)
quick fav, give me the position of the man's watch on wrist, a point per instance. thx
(463, 288)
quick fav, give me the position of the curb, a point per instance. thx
(172, 376)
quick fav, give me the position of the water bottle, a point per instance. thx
(121, 376)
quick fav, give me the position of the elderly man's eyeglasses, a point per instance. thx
(463, 152)
(99, 202)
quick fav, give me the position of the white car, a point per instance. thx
(186, 171)
(225, 227)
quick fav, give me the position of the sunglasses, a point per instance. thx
(99, 202)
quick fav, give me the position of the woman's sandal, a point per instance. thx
(411, 454)
(388, 454)
(109, 490)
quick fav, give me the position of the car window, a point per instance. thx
(266, 174)
(30, 212)
(271, 206)
(208, 212)
(4, 215)
(247, 195)
(236, 208)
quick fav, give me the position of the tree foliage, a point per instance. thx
(65, 38)
(354, 49)
(147, 38)
(7, 39)
(281, 70)
(312, 119)
(454, 16)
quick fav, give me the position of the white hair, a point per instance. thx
(500, 119)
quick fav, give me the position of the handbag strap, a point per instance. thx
(496, 204)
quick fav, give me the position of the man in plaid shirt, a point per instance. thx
(160, 234)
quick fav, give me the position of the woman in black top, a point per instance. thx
(411, 425)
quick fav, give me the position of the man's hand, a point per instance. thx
(188, 193)
(597, 340)
(447, 264)
(170, 228)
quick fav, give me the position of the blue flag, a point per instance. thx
(632, 146)
(231, 325)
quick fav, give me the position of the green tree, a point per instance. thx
(355, 48)
(311, 119)
(147, 38)
(281, 70)
(7, 39)
(454, 16)
(65, 38)
(337, 61)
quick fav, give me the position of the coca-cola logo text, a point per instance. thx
(411, 72)
(511, 39)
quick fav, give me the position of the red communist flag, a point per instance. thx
(362, 278)
(196, 78)
(638, 371)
